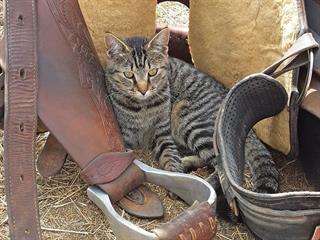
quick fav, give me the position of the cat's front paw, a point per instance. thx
(174, 167)
(171, 163)
(192, 162)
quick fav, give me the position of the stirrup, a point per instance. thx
(197, 222)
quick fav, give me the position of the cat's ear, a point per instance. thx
(114, 45)
(160, 41)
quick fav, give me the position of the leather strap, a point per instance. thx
(294, 58)
(302, 45)
(106, 167)
(21, 118)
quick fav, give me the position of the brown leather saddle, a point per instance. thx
(52, 73)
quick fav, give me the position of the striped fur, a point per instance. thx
(172, 112)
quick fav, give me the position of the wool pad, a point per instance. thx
(122, 18)
(228, 40)
(232, 39)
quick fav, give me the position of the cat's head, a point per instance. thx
(137, 66)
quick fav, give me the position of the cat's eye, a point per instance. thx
(128, 74)
(153, 72)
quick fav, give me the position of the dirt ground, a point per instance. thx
(67, 213)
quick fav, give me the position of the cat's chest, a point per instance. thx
(139, 126)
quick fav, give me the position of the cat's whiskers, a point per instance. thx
(114, 92)
(164, 95)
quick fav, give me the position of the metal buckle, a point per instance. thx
(180, 184)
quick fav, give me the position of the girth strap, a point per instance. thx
(21, 118)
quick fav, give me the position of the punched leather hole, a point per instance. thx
(21, 127)
(22, 73)
(27, 231)
(21, 178)
(20, 19)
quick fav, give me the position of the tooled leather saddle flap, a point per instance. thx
(71, 95)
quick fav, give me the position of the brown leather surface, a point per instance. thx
(20, 122)
(196, 223)
(71, 90)
(106, 167)
(130, 179)
(51, 158)
(142, 202)
(72, 102)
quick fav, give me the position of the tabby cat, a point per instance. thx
(166, 105)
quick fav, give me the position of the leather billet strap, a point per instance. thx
(20, 122)
(296, 57)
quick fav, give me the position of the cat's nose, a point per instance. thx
(142, 87)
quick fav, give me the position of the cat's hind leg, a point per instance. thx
(193, 132)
